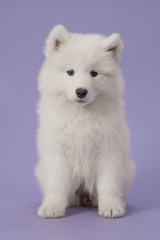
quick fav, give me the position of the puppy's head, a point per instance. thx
(82, 67)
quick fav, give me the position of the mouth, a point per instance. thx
(80, 102)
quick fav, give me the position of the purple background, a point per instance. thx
(24, 26)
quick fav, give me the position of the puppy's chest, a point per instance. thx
(81, 140)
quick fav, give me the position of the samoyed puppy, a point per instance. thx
(83, 140)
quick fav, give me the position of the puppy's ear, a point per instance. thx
(58, 36)
(114, 44)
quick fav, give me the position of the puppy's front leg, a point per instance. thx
(112, 181)
(56, 188)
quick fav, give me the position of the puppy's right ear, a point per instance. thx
(58, 36)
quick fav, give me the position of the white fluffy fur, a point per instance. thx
(82, 143)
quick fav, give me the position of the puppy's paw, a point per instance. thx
(51, 210)
(112, 212)
(112, 208)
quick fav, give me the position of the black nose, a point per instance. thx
(81, 92)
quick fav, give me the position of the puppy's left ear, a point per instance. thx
(114, 45)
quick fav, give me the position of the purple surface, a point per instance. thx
(23, 27)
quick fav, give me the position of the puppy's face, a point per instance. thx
(83, 67)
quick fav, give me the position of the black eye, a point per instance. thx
(93, 74)
(70, 72)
